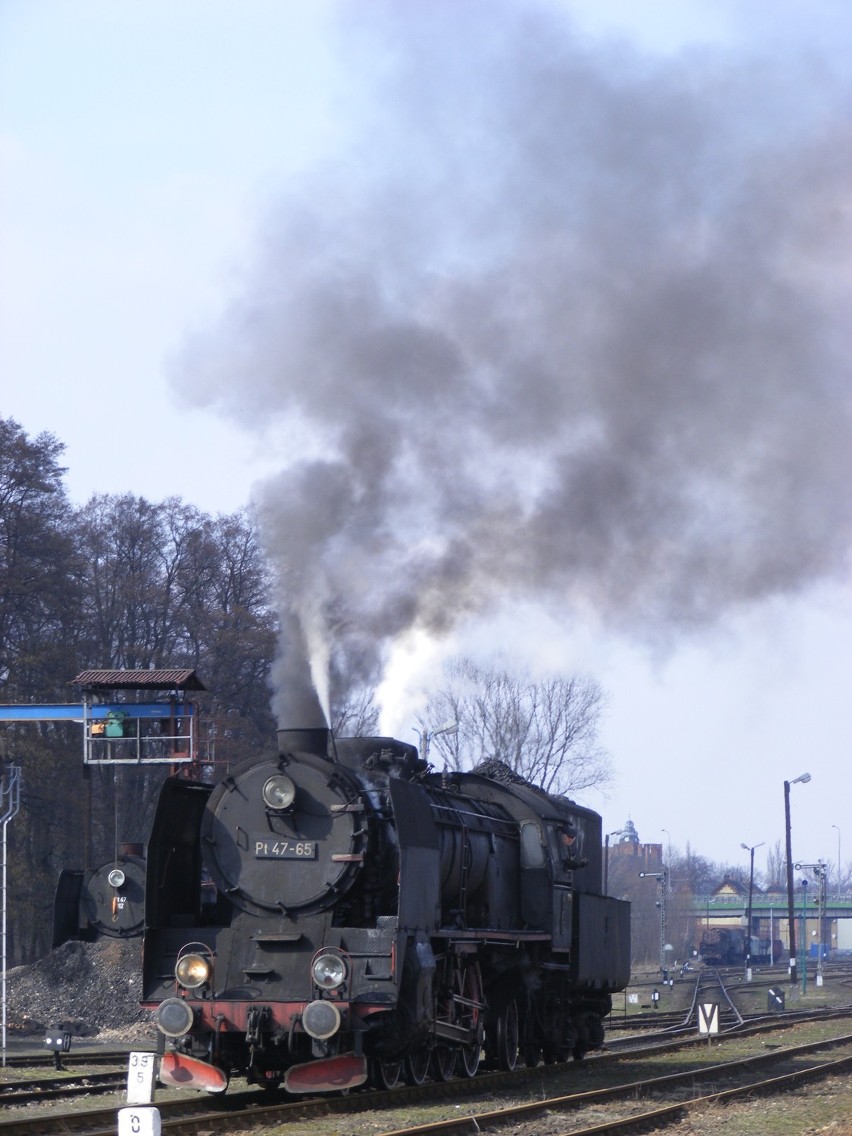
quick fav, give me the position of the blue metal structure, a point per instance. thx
(80, 711)
(125, 733)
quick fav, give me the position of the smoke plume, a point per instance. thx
(557, 321)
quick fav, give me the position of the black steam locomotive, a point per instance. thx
(372, 919)
(107, 901)
(723, 946)
(726, 946)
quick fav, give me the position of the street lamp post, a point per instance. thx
(750, 849)
(791, 912)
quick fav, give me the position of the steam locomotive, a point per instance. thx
(372, 920)
(104, 901)
(723, 946)
(726, 946)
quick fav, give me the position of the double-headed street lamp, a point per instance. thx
(750, 849)
(791, 913)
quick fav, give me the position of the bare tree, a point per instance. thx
(776, 866)
(39, 592)
(693, 873)
(357, 717)
(134, 552)
(546, 731)
(121, 583)
(226, 628)
(166, 585)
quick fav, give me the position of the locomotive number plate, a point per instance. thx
(267, 849)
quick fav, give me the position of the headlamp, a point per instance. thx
(328, 970)
(192, 971)
(278, 792)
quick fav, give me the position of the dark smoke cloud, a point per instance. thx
(562, 322)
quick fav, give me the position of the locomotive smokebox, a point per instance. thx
(304, 741)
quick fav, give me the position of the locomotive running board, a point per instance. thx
(327, 1076)
(189, 1073)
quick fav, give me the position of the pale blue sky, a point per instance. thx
(146, 148)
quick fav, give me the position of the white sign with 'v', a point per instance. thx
(708, 1017)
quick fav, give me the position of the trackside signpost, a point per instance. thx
(708, 1019)
(141, 1118)
(141, 1121)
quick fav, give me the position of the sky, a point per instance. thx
(522, 324)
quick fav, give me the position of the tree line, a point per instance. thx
(120, 583)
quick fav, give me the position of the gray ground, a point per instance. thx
(90, 989)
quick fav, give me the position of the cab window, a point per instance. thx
(532, 850)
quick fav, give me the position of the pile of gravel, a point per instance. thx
(89, 989)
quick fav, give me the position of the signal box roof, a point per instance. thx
(180, 679)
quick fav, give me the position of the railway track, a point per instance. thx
(669, 1031)
(710, 989)
(17, 1093)
(78, 1059)
(187, 1114)
(685, 1089)
(727, 987)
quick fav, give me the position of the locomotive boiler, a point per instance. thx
(373, 919)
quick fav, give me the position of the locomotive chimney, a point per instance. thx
(304, 741)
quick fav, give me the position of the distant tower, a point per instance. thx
(629, 835)
(629, 850)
